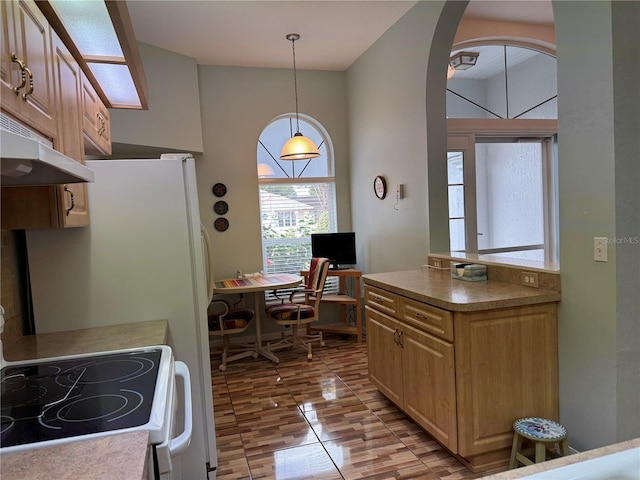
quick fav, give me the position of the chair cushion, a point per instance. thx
(289, 311)
(237, 318)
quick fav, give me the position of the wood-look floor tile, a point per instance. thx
(348, 422)
(372, 454)
(262, 432)
(414, 471)
(262, 403)
(319, 394)
(266, 435)
(306, 462)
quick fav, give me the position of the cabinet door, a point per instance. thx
(26, 33)
(429, 384)
(506, 368)
(384, 355)
(73, 210)
(95, 122)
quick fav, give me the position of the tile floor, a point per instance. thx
(321, 419)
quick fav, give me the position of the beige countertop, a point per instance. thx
(436, 287)
(87, 340)
(121, 456)
(563, 461)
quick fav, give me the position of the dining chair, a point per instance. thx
(301, 309)
(226, 320)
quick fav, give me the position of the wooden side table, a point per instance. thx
(344, 301)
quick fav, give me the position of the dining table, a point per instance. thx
(256, 284)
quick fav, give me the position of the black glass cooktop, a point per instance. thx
(71, 397)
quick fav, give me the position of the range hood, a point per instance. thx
(25, 161)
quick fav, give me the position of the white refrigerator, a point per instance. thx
(142, 258)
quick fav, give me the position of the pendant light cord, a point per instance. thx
(295, 80)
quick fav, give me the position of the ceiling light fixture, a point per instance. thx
(463, 60)
(297, 147)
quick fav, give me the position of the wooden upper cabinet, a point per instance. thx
(73, 208)
(96, 123)
(26, 57)
(60, 205)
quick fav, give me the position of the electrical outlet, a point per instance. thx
(529, 279)
(437, 263)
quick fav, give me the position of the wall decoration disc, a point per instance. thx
(221, 207)
(221, 224)
(219, 189)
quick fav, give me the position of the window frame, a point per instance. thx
(331, 285)
(462, 136)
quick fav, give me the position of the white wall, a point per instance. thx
(598, 138)
(387, 105)
(172, 122)
(237, 103)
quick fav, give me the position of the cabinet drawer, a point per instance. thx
(427, 318)
(381, 300)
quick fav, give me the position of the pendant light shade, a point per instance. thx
(297, 147)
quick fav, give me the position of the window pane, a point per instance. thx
(454, 168)
(531, 82)
(275, 135)
(290, 213)
(456, 201)
(526, 89)
(456, 234)
(509, 193)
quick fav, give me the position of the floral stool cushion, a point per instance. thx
(289, 311)
(541, 429)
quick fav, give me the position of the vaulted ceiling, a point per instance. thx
(252, 33)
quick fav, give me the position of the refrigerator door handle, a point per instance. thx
(208, 261)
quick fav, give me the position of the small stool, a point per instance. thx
(542, 432)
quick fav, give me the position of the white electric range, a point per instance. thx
(52, 401)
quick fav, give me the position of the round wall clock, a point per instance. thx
(221, 207)
(221, 224)
(219, 189)
(380, 187)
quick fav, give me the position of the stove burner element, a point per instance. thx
(7, 423)
(81, 409)
(102, 371)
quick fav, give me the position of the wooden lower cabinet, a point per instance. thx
(466, 385)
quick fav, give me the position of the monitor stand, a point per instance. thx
(335, 266)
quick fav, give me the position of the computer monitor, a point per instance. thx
(339, 248)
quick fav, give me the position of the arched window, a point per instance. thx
(297, 198)
(502, 129)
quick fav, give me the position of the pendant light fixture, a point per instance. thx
(297, 147)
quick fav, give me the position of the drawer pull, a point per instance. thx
(401, 339)
(73, 203)
(422, 316)
(26, 94)
(23, 73)
(378, 299)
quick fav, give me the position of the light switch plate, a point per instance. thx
(600, 249)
